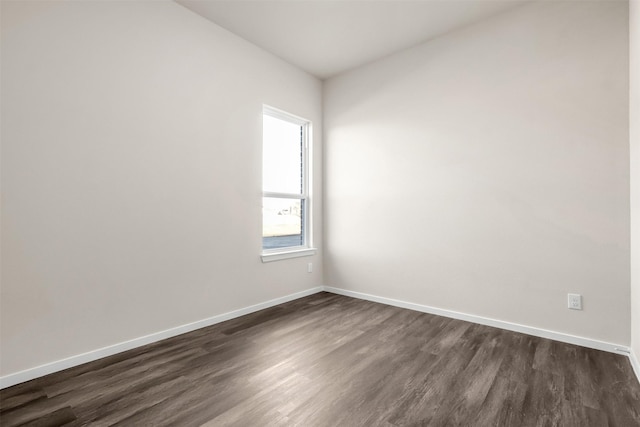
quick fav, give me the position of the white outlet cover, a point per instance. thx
(574, 301)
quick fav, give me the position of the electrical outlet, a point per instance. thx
(574, 301)
(310, 267)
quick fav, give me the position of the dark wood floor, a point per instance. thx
(329, 360)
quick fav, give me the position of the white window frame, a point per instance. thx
(307, 249)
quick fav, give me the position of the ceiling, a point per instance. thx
(328, 37)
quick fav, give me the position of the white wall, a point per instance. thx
(634, 126)
(131, 174)
(487, 171)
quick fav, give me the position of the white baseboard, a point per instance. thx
(49, 368)
(59, 365)
(635, 364)
(529, 330)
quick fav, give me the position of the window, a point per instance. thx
(286, 206)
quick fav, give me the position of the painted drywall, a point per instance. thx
(487, 171)
(634, 138)
(131, 174)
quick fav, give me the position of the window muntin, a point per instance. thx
(285, 202)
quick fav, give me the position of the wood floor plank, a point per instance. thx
(57, 418)
(21, 395)
(330, 360)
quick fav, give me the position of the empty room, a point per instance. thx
(320, 213)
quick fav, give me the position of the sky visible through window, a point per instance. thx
(281, 156)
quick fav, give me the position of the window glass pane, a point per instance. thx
(282, 224)
(282, 156)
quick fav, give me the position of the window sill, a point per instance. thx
(295, 253)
